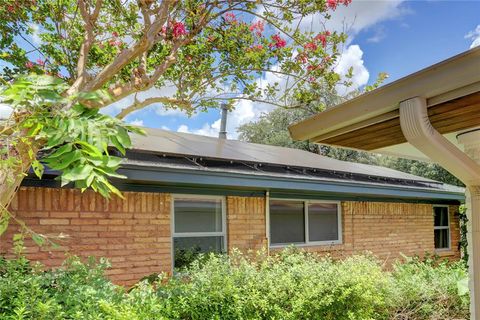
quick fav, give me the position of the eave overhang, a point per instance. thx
(371, 121)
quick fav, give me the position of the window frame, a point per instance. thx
(442, 228)
(193, 197)
(307, 242)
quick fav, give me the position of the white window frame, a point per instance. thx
(443, 228)
(306, 235)
(196, 234)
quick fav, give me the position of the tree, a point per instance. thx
(83, 55)
(271, 128)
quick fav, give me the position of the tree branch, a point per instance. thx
(148, 39)
(137, 105)
(89, 37)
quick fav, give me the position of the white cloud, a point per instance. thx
(378, 36)
(166, 91)
(352, 58)
(5, 111)
(363, 14)
(35, 29)
(136, 122)
(244, 112)
(474, 35)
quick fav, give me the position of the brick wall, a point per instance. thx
(134, 234)
(246, 223)
(389, 230)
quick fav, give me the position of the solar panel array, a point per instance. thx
(184, 144)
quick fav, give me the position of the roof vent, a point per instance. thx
(223, 124)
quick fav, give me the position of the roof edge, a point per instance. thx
(433, 83)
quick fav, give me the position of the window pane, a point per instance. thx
(287, 222)
(198, 215)
(187, 249)
(442, 240)
(441, 216)
(322, 222)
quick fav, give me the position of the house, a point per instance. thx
(192, 193)
(433, 114)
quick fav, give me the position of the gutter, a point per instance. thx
(419, 132)
(235, 180)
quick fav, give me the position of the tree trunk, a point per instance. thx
(12, 175)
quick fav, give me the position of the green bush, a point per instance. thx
(289, 285)
(429, 289)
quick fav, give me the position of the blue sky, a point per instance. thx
(393, 36)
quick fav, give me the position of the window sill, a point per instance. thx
(445, 252)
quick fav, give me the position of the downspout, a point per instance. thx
(419, 132)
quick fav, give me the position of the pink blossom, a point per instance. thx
(40, 62)
(302, 57)
(332, 4)
(230, 17)
(29, 64)
(310, 46)
(279, 42)
(257, 47)
(322, 37)
(258, 27)
(178, 29)
(115, 34)
(10, 8)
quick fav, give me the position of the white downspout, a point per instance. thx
(419, 132)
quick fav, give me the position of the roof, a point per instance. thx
(371, 120)
(185, 144)
(193, 159)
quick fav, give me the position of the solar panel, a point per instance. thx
(185, 144)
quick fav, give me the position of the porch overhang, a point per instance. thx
(372, 121)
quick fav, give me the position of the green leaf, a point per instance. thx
(78, 173)
(88, 148)
(123, 137)
(110, 172)
(38, 168)
(38, 239)
(65, 160)
(4, 220)
(63, 149)
(117, 144)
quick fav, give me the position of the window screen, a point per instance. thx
(441, 228)
(198, 228)
(322, 222)
(287, 222)
(198, 215)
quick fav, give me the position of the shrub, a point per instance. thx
(291, 285)
(428, 289)
(288, 285)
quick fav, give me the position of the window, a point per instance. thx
(198, 227)
(441, 227)
(304, 222)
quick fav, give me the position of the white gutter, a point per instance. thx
(419, 132)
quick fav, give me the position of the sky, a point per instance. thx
(393, 36)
